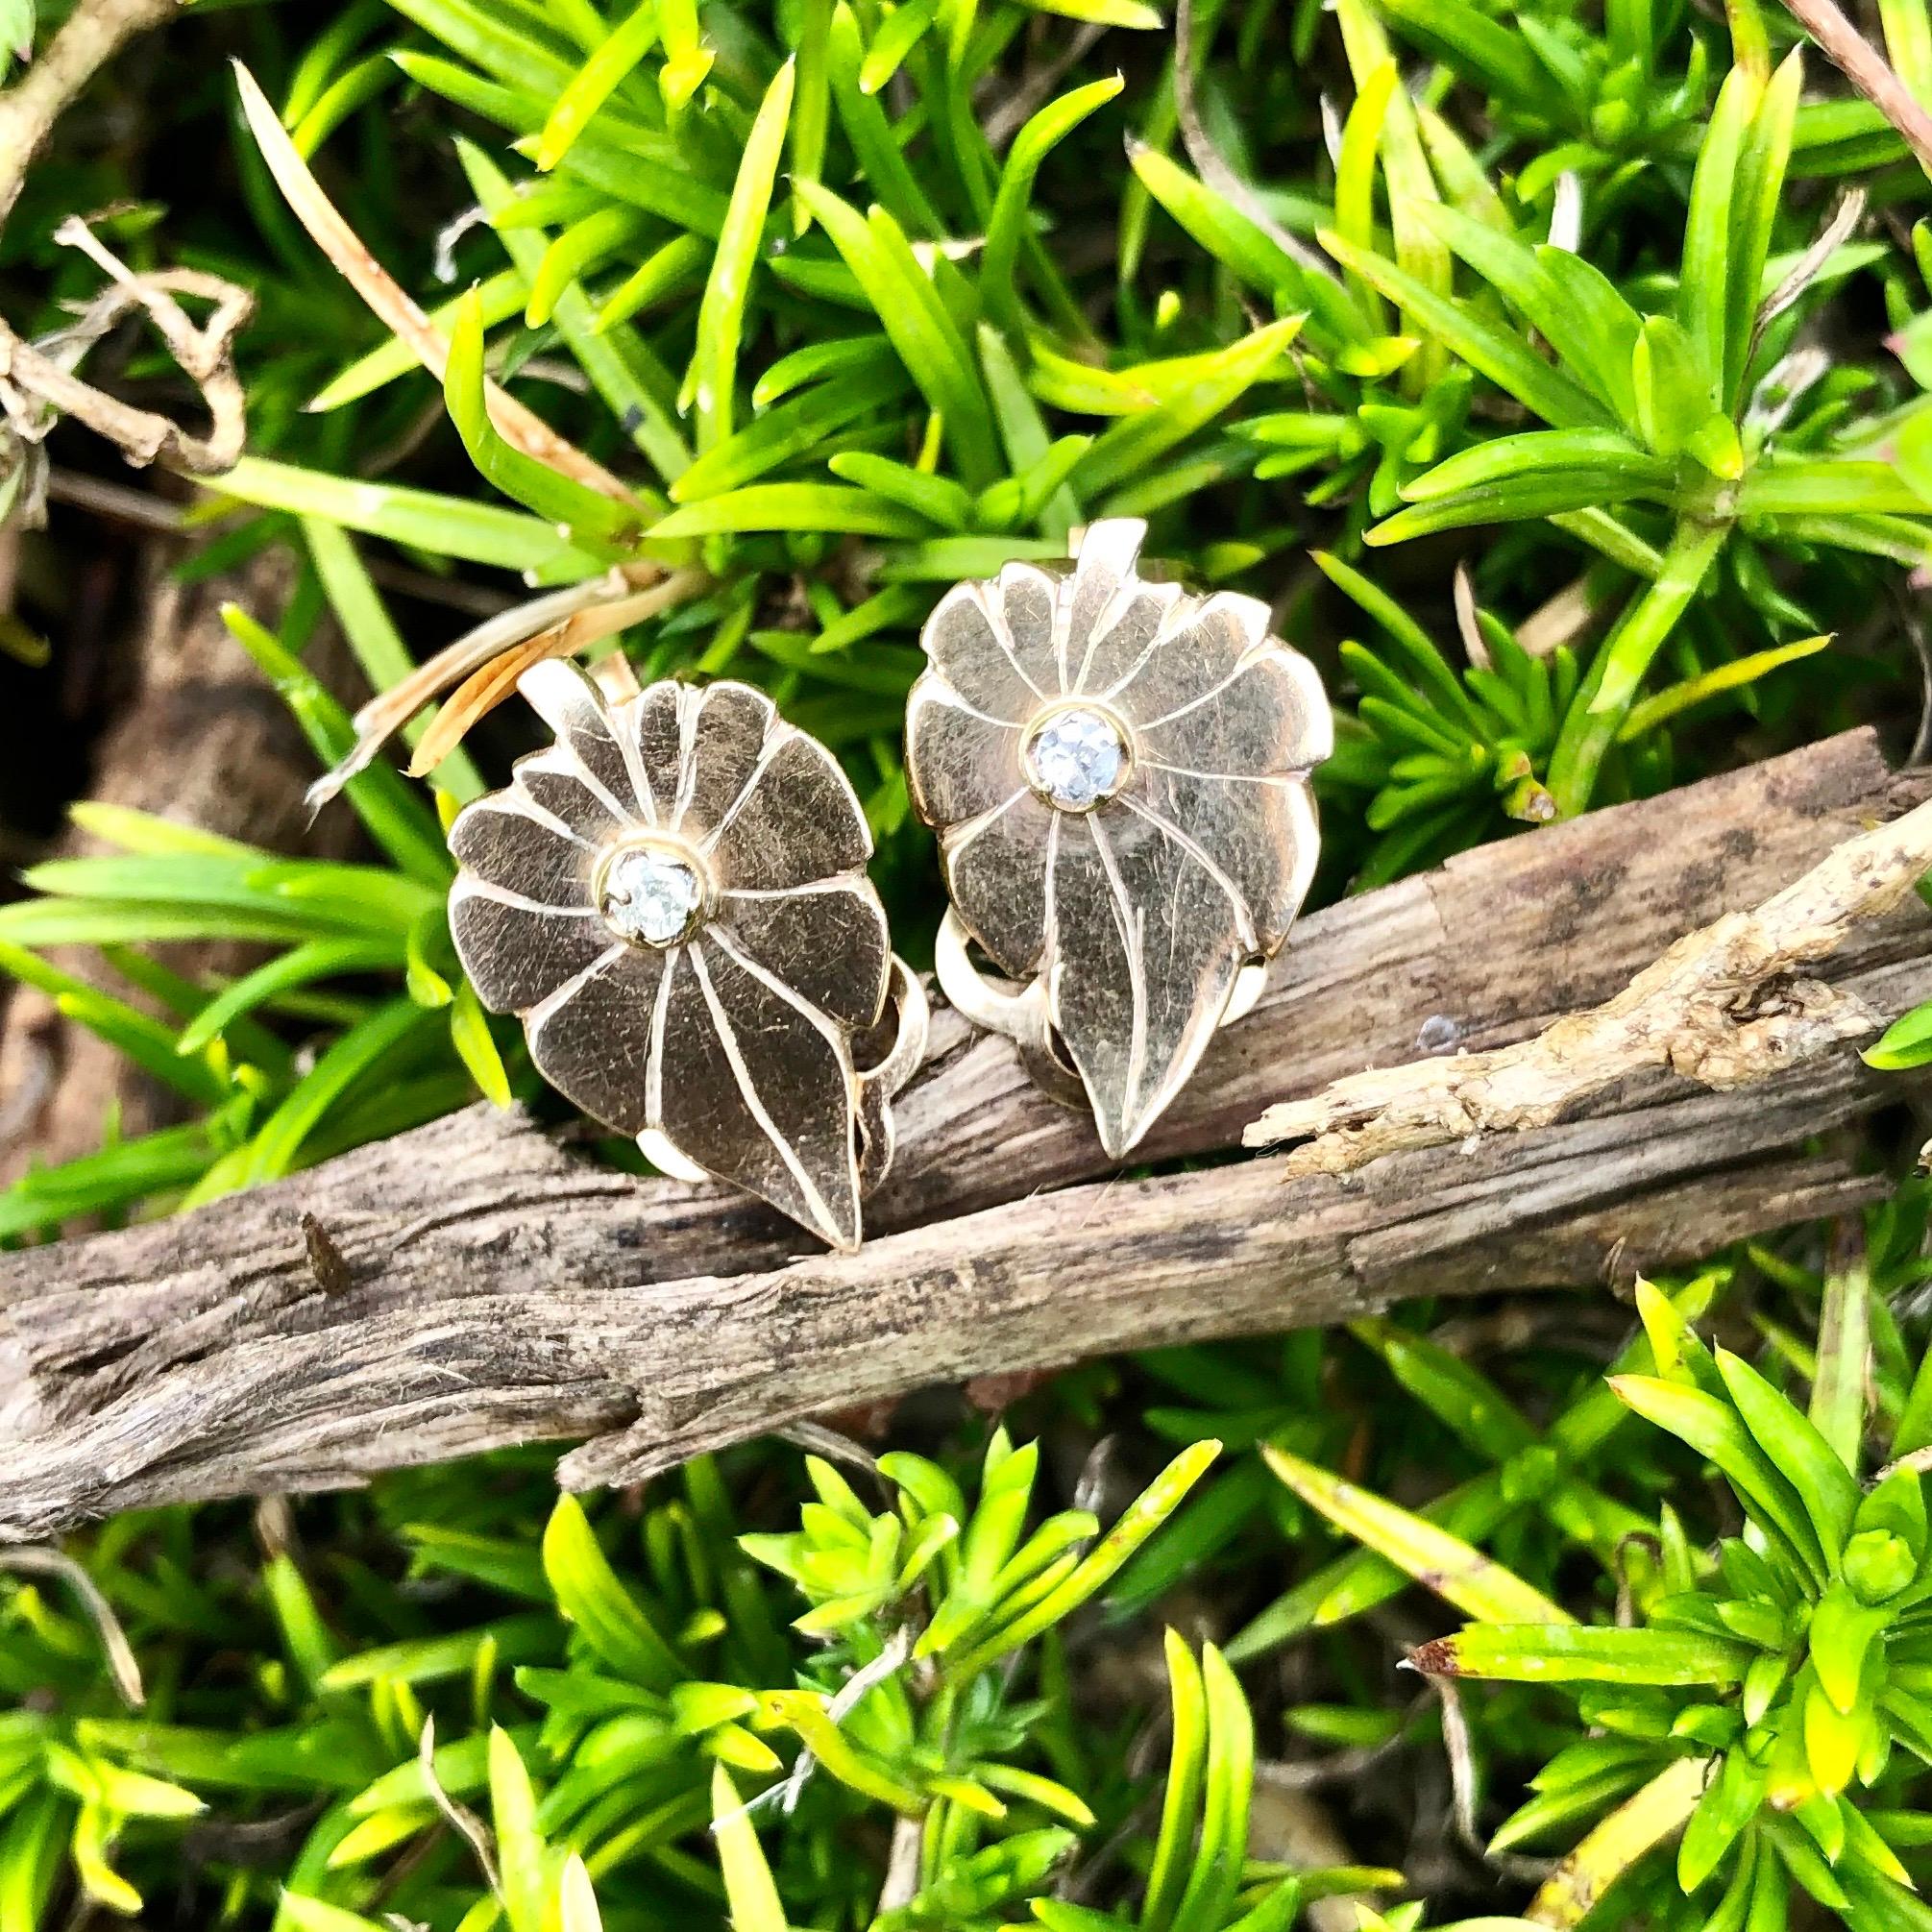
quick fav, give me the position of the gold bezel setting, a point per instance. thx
(673, 854)
(1052, 717)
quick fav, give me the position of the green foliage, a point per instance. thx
(1760, 1703)
(620, 1685)
(394, 1060)
(16, 32)
(774, 1691)
(1692, 411)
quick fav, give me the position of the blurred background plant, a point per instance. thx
(1560, 375)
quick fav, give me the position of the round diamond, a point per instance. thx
(648, 895)
(1077, 758)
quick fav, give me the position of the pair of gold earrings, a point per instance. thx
(674, 896)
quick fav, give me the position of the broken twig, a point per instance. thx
(93, 33)
(38, 384)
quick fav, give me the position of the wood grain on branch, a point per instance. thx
(488, 1285)
(1725, 1006)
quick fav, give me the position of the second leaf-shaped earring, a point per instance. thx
(674, 897)
(1119, 773)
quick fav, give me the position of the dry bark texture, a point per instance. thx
(1725, 1006)
(483, 1284)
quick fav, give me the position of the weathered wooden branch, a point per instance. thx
(486, 1283)
(1725, 1006)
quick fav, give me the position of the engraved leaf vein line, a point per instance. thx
(948, 696)
(1285, 779)
(525, 806)
(1207, 697)
(653, 1063)
(727, 1037)
(625, 814)
(1175, 621)
(558, 761)
(1056, 963)
(548, 1008)
(1122, 599)
(624, 730)
(1132, 925)
(690, 707)
(993, 609)
(734, 949)
(832, 882)
(777, 736)
(473, 886)
(1244, 914)
(960, 838)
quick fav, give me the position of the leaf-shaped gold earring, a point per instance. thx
(674, 897)
(1119, 773)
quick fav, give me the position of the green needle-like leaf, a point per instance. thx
(595, 82)
(1477, 1584)
(448, 526)
(1596, 713)
(1007, 227)
(1570, 1653)
(909, 308)
(1762, 160)
(1509, 363)
(1571, 305)
(1793, 1445)
(792, 506)
(1705, 283)
(590, 1596)
(615, 362)
(587, 515)
(1715, 1430)
(710, 383)
(750, 1889)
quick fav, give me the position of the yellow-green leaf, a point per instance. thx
(1477, 1586)
(712, 379)
(751, 1893)
(469, 1035)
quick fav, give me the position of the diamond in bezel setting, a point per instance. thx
(651, 893)
(1077, 757)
